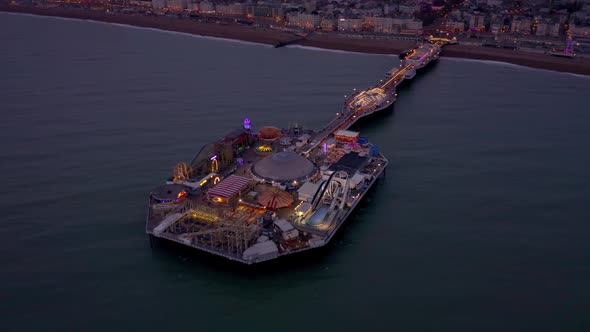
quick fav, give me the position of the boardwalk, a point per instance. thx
(379, 97)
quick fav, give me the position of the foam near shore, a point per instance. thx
(131, 26)
(512, 65)
(319, 49)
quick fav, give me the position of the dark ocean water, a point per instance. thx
(482, 223)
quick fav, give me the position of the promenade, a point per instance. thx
(380, 97)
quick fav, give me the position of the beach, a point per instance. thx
(324, 41)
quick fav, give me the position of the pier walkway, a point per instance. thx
(380, 97)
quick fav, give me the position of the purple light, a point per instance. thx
(247, 124)
(213, 158)
(325, 147)
(569, 47)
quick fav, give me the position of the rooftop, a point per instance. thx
(283, 166)
(229, 186)
(350, 163)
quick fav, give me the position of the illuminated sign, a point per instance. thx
(264, 148)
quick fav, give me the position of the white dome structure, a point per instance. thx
(283, 167)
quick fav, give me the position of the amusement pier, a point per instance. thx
(254, 196)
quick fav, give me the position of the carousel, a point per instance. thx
(275, 199)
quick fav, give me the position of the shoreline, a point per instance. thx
(244, 33)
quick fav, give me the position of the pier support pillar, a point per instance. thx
(152, 240)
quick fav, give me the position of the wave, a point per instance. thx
(312, 48)
(187, 34)
(512, 65)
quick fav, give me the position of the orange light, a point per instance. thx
(264, 148)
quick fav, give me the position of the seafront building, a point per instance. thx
(159, 4)
(206, 7)
(521, 26)
(530, 24)
(177, 4)
(350, 24)
(394, 25)
(547, 28)
(231, 9)
(580, 31)
(476, 22)
(303, 21)
(265, 10)
(455, 26)
(328, 24)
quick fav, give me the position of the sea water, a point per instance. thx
(481, 223)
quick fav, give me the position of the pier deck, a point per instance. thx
(254, 197)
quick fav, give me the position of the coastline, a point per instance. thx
(323, 41)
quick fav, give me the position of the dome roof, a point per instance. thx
(275, 199)
(283, 166)
(269, 132)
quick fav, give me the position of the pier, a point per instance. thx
(252, 197)
(379, 97)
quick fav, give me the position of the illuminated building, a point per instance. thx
(266, 10)
(303, 21)
(229, 190)
(346, 135)
(350, 24)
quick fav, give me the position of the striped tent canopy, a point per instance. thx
(230, 186)
(275, 199)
